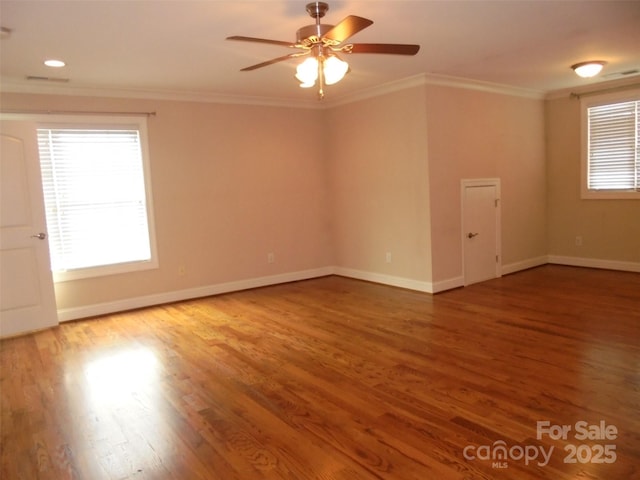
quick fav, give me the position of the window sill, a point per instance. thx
(609, 195)
(93, 272)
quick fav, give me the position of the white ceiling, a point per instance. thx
(179, 46)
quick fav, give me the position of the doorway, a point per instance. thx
(481, 246)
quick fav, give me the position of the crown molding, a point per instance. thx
(593, 87)
(153, 94)
(194, 96)
(419, 80)
(424, 79)
(482, 86)
(377, 91)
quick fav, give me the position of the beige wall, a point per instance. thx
(477, 134)
(610, 229)
(380, 185)
(397, 161)
(230, 183)
(345, 185)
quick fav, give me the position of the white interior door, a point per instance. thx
(27, 297)
(481, 230)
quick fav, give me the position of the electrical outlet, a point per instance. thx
(271, 257)
(388, 257)
(578, 241)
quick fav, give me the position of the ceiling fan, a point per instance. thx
(321, 44)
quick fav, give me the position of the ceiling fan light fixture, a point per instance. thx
(334, 69)
(588, 69)
(307, 72)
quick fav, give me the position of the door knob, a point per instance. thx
(40, 236)
(471, 235)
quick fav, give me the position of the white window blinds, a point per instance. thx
(614, 147)
(95, 200)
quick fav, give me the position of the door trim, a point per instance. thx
(481, 182)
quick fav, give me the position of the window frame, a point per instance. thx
(594, 101)
(119, 122)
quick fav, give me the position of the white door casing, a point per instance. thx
(481, 230)
(27, 297)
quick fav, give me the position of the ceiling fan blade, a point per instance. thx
(261, 40)
(347, 28)
(392, 48)
(272, 61)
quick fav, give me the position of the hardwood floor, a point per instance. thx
(337, 379)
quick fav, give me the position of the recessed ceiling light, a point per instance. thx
(54, 63)
(588, 69)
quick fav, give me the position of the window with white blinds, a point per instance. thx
(613, 149)
(96, 200)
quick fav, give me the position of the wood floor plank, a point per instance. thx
(334, 379)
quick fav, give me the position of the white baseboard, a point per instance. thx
(595, 263)
(391, 280)
(86, 311)
(524, 264)
(76, 313)
(448, 284)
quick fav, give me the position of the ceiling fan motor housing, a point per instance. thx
(317, 9)
(309, 31)
(313, 33)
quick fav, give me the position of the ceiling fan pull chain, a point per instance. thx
(320, 80)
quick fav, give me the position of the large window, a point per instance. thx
(97, 198)
(611, 160)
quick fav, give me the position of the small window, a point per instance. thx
(611, 160)
(97, 198)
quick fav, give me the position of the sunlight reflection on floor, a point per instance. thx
(114, 378)
(126, 411)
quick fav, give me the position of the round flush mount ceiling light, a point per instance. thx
(588, 69)
(54, 63)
